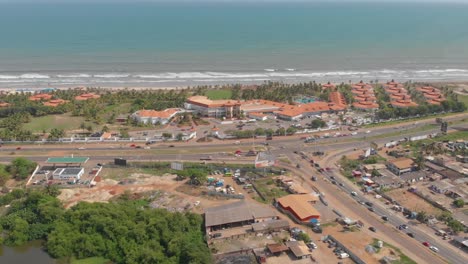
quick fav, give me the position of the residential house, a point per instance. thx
(401, 165)
(153, 117)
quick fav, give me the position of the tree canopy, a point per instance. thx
(123, 231)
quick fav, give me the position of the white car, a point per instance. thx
(81, 148)
(354, 193)
(368, 131)
(434, 249)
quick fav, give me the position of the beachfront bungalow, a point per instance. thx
(366, 105)
(40, 97)
(152, 116)
(55, 102)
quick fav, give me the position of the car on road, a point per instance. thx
(410, 235)
(368, 131)
(372, 229)
(18, 148)
(321, 170)
(401, 227)
(340, 184)
(384, 217)
(332, 177)
(334, 182)
(425, 243)
(369, 204)
(435, 249)
(171, 146)
(328, 169)
(132, 145)
(354, 193)
(371, 209)
(81, 148)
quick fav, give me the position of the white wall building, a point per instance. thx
(152, 116)
(68, 173)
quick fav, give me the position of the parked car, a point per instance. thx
(369, 204)
(215, 235)
(410, 235)
(425, 243)
(384, 217)
(372, 229)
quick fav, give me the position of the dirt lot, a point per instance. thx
(357, 242)
(137, 183)
(412, 201)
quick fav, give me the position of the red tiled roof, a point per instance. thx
(39, 97)
(5, 104)
(87, 96)
(328, 86)
(366, 105)
(55, 102)
(166, 113)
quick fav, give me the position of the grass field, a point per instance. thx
(65, 122)
(218, 94)
(269, 190)
(464, 99)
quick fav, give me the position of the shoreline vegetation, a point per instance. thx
(23, 119)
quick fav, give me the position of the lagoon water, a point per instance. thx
(29, 253)
(179, 44)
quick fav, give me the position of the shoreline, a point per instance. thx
(461, 82)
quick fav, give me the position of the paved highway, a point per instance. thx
(285, 146)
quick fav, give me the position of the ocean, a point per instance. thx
(187, 44)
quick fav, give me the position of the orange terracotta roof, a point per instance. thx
(403, 103)
(366, 105)
(55, 102)
(39, 97)
(87, 96)
(166, 113)
(106, 135)
(4, 104)
(328, 86)
(299, 204)
(337, 98)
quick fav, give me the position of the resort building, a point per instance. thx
(399, 97)
(233, 108)
(364, 97)
(40, 97)
(213, 108)
(3, 104)
(87, 96)
(299, 206)
(431, 94)
(152, 116)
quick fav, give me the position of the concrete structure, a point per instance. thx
(277, 249)
(441, 186)
(401, 165)
(257, 116)
(270, 226)
(156, 117)
(299, 206)
(67, 173)
(237, 214)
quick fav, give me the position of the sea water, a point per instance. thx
(180, 44)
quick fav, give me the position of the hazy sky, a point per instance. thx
(233, 1)
(250, 1)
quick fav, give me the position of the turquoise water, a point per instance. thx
(151, 44)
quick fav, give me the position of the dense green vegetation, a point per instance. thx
(19, 169)
(124, 231)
